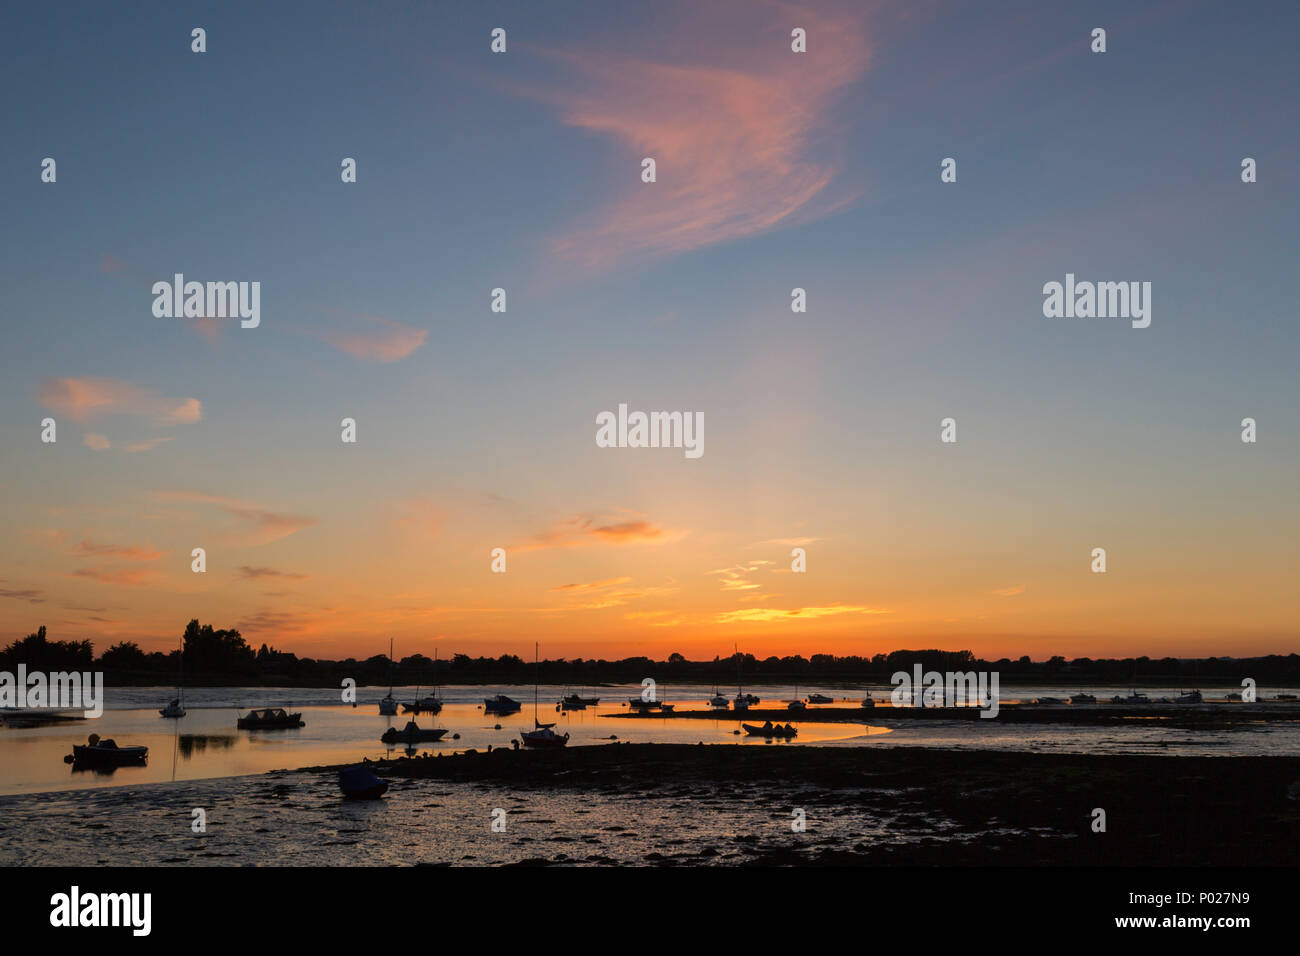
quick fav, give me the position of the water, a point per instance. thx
(205, 744)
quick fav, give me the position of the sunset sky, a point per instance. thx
(476, 429)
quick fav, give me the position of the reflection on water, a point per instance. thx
(192, 744)
(206, 744)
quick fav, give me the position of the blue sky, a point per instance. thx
(925, 301)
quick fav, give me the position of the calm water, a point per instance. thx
(206, 744)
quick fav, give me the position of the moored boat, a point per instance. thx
(106, 753)
(269, 718)
(1192, 697)
(429, 704)
(1082, 698)
(1133, 698)
(770, 730)
(542, 735)
(501, 704)
(358, 783)
(176, 707)
(388, 705)
(820, 699)
(412, 733)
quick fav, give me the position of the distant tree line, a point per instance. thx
(215, 657)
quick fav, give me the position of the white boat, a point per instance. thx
(388, 705)
(176, 708)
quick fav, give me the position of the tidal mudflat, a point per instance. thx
(679, 804)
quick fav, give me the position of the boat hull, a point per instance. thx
(109, 756)
(780, 733)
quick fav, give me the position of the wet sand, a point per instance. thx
(1009, 808)
(692, 805)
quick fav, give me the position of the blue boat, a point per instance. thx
(358, 783)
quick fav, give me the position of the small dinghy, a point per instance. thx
(358, 783)
(106, 753)
(770, 730)
(412, 733)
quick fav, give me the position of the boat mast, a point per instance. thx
(390, 667)
(537, 669)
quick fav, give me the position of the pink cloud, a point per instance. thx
(383, 340)
(734, 131)
(85, 399)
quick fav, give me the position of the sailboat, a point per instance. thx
(797, 703)
(742, 700)
(388, 706)
(177, 707)
(719, 700)
(432, 704)
(542, 735)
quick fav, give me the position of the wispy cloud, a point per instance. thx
(263, 526)
(118, 551)
(794, 614)
(30, 595)
(371, 338)
(1009, 592)
(592, 585)
(582, 531)
(251, 573)
(736, 578)
(117, 576)
(96, 442)
(84, 400)
(734, 129)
